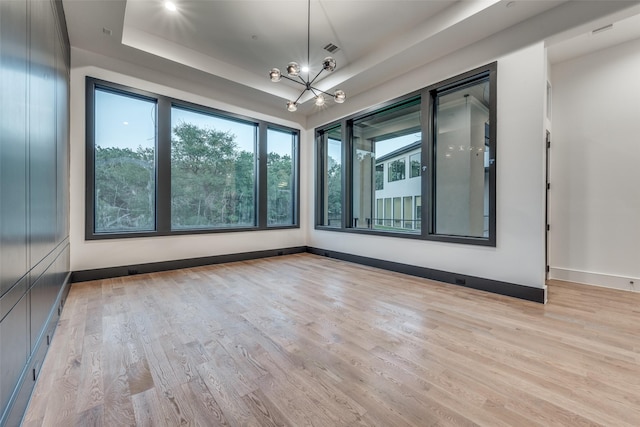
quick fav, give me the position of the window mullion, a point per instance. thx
(262, 187)
(295, 177)
(163, 167)
(320, 144)
(428, 160)
(347, 178)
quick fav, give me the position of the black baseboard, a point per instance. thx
(497, 287)
(503, 288)
(129, 270)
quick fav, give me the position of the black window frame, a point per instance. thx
(427, 97)
(163, 164)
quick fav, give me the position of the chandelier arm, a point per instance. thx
(298, 99)
(314, 79)
(326, 93)
(293, 80)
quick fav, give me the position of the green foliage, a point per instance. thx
(334, 190)
(379, 177)
(124, 184)
(279, 189)
(212, 184)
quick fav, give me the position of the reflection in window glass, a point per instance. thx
(387, 212)
(380, 177)
(397, 212)
(212, 171)
(280, 174)
(396, 170)
(332, 177)
(461, 172)
(125, 159)
(408, 212)
(418, 200)
(387, 137)
(414, 165)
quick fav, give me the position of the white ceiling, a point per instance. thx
(597, 35)
(237, 42)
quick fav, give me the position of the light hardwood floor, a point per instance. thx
(304, 340)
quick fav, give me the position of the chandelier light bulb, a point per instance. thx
(329, 64)
(320, 100)
(292, 106)
(275, 75)
(293, 69)
(339, 96)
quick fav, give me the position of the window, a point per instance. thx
(396, 170)
(408, 212)
(160, 166)
(281, 147)
(461, 169)
(414, 164)
(331, 157)
(124, 155)
(213, 162)
(444, 138)
(380, 177)
(397, 212)
(379, 139)
(388, 215)
(418, 212)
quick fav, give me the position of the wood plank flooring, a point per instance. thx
(302, 340)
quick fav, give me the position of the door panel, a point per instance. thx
(13, 143)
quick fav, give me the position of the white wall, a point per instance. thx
(595, 168)
(519, 254)
(110, 253)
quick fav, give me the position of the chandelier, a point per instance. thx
(293, 74)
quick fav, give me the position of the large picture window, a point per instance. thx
(382, 141)
(159, 166)
(436, 145)
(213, 162)
(331, 170)
(281, 148)
(124, 156)
(461, 167)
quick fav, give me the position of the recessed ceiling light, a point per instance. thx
(305, 69)
(169, 5)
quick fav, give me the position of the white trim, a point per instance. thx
(596, 279)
